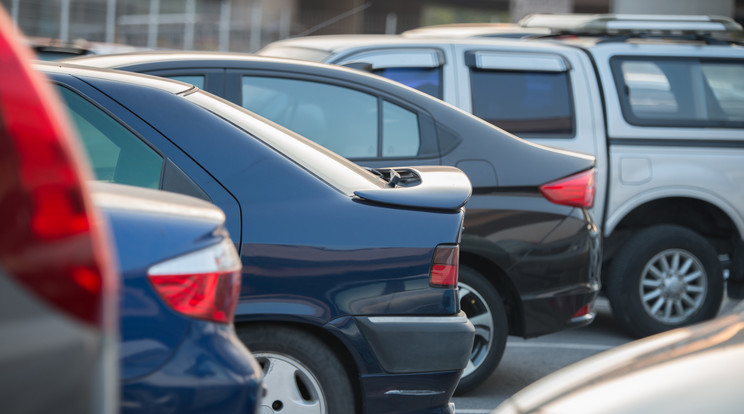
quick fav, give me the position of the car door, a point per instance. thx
(124, 149)
(367, 126)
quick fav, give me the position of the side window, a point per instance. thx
(680, 91)
(117, 155)
(427, 80)
(340, 119)
(196, 80)
(344, 120)
(524, 102)
(400, 131)
(726, 81)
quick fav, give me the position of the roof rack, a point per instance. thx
(631, 23)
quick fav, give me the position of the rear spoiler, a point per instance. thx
(429, 187)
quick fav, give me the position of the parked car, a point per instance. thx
(658, 101)
(58, 287)
(529, 260)
(349, 300)
(685, 371)
(180, 277)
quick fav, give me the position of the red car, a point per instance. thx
(58, 329)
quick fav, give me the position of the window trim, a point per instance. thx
(514, 61)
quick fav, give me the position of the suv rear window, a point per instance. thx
(524, 102)
(680, 92)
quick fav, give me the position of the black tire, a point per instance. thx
(482, 304)
(297, 363)
(664, 277)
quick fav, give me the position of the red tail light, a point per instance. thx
(576, 190)
(584, 310)
(204, 284)
(444, 266)
(50, 239)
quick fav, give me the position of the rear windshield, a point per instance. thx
(330, 167)
(680, 92)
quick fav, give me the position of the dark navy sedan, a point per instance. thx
(349, 295)
(530, 251)
(180, 277)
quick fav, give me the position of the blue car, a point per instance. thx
(349, 296)
(180, 277)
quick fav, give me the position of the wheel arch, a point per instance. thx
(708, 216)
(334, 343)
(497, 276)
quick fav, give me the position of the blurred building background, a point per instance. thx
(247, 25)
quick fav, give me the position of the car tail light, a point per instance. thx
(204, 284)
(584, 310)
(51, 241)
(576, 190)
(444, 266)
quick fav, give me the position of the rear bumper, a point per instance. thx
(409, 344)
(560, 277)
(407, 364)
(423, 393)
(211, 372)
(557, 310)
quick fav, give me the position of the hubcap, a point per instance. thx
(673, 286)
(477, 310)
(290, 387)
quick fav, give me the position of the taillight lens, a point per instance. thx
(204, 284)
(576, 190)
(50, 240)
(444, 266)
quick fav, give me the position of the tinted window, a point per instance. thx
(117, 155)
(400, 131)
(195, 80)
(680, 92)
(344, 120)
(524, 102)
(427, 80)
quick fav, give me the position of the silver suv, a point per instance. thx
(659, 101)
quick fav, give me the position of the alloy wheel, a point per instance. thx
(673, 286)
(290, 386)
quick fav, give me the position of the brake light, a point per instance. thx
(444, 266)
(584, 310)
(204, 284)
(576, 190)
(50, 239)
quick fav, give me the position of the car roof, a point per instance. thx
(168, 85)
(335, 44)
(469, 30)
(130, 58)
(238, 60)
(150, 60)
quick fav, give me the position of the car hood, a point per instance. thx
(688, 370)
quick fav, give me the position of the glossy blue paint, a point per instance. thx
(170, 362)
(313, 252)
